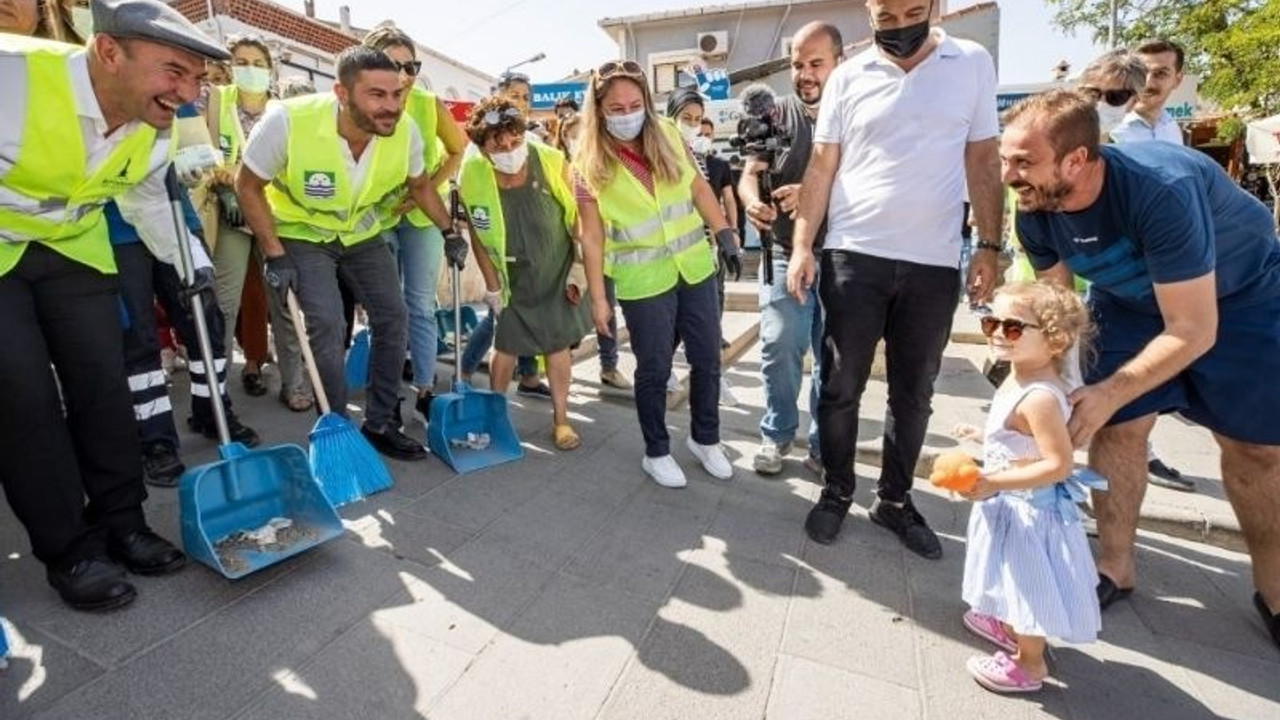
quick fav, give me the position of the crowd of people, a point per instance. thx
(1151, 282)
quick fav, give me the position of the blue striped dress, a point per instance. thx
(1027, 560)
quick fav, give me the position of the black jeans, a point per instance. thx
(692, 311)
(144, 281)
(55, 311)
(911, 306)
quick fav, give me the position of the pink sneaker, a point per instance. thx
(1000, 674)
(989, 628)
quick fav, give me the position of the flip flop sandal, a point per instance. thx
(296, 402)
(1000, 674)
(565, 438)
(253, 384)
(1109, 593)
(989, 628)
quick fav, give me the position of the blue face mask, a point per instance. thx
(626, 127)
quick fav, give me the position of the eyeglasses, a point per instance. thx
(627, 68)
(1011, 327)
(411, 68)
(497, 117)
(1114, 98)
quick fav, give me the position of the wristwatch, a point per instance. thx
(984, 245)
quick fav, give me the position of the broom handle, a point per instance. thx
(187, 267)
(300, 327)
(454, 203)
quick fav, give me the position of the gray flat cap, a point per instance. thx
(154, 21)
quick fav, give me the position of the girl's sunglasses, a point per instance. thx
(411, 68)
(1114, 98)
(628, 68)
(1011, 327)
(495, 117)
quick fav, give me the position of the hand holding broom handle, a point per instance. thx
(300, 328)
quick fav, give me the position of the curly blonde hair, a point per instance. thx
(1063, 317)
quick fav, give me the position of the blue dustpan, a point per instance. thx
(245, 491)
(357, 366)
(469, 412)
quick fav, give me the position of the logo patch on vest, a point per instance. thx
(480, 217)
(224, 144)
(318, 184)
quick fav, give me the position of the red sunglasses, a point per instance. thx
(1011, 327)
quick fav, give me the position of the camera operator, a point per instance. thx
(788, 328)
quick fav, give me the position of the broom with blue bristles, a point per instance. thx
(346, 465)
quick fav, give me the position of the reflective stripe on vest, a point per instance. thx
(312, 199)
(478, 188)
(654, 240)
(422, 107)
(49, 195)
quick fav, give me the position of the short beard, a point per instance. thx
(809, 103)
(1049, 198)
(366, 122)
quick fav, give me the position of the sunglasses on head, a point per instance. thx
(411, 68)
(627, 68)
(1011, 327)
(1114, 98)
(496, 117)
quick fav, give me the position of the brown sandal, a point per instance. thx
(297, 402)
(565, 438)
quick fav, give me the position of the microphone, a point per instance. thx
(759, 101)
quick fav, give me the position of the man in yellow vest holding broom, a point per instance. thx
(78, 127)
(315, 186)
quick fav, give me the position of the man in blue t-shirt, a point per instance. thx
(1185, 273)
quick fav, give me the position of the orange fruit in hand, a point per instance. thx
(954, 470)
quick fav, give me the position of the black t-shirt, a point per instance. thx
(719, 176)
(791, 163)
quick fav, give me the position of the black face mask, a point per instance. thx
(903, 42)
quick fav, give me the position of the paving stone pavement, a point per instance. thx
(569, 586)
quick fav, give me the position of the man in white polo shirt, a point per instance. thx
(904, 126)
(1149, 120)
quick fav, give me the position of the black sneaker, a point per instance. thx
(422, 408)
(1162, 475)
(540, 391)
(909, 525)
(161, 465)
(394, 444)
(240, 432)
(824, 520)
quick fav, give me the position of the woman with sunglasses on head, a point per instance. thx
(643, 205)
(523, 217)
(1028, 572)
(416, 242)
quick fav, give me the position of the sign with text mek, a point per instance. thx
(546, 95)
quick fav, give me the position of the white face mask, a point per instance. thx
(626, 127)
(689, 132)
(510, 163)
(1110, 116)
(251, 79)
(701, 145)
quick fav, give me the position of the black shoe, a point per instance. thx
(161, 465)
(824, 520)
(240, 432)
(1162, 475)
(406, 372)
(394, 444)
(540, 391)
(253, 383)
(422, 407)
(143, 552)
(1270, 619)
(909, 525)
(96, 584)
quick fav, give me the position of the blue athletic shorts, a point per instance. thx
(1234, 389)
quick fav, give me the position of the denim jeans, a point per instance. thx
(370, 271)
(693, 311)
(788, 329)
(419, 252)
(864, 299)
(478, 346)
(608, 346)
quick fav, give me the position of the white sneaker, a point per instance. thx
(673, 383)
(727, 398)
(712, 458)
(664, 471)
(768, 459)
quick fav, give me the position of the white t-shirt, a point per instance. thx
(266, 152)
(1135, 128)
(899, 190)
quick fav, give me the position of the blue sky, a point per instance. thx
(492, 34)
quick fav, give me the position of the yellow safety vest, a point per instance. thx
(652, 241)
(230, 131)
(49, 195)
(421, 105)
(478, 186)
(313, 199)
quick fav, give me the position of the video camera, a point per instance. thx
(760, 136)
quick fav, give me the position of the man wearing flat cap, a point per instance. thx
(79, 127)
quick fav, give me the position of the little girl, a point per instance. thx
(1028, 572)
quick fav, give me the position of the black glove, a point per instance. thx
(202, 285)
(230, 206)
(455, 249)
(282, 276)
(730, 253)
